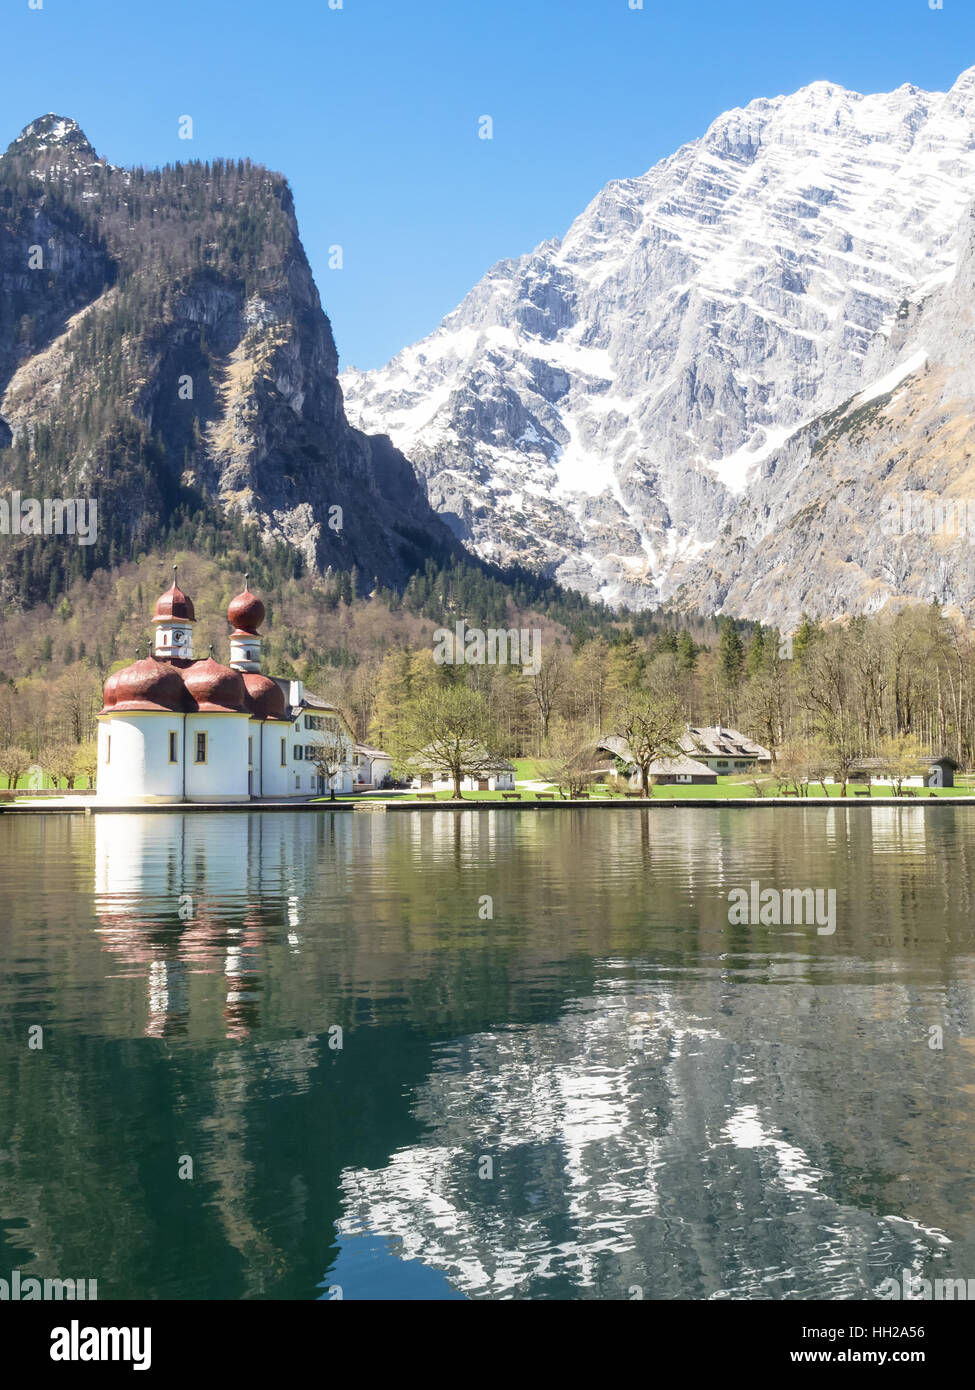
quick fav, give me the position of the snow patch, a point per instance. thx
(735, 470)
(893, 378)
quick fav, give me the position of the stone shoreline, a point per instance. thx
(383, 807)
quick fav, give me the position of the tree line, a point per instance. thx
(825, 696)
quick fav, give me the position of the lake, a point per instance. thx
(487, 1054)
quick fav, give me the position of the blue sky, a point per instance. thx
(372, 110)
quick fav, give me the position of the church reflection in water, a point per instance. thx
(181, 895)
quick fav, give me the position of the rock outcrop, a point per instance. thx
(163, 349)
(607, 406)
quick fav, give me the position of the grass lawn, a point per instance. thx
(24, 783)
(47, 784)
(726, 787)
(528, 770)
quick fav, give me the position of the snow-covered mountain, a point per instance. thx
(605, 404)
(874, 502)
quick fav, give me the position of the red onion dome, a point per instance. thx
(215, 688)
(175, 604)
(264, 696)
(111, 690)
(148, 684)
(246, 613)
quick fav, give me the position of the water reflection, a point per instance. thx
(182, 895)
(604, 1086)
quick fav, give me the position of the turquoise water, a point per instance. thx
(304, 1056)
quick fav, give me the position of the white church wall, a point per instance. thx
(134, 765)
(223, 776)
(277, 779)
(255, 756)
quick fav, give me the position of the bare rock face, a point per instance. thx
(873, 503)
(163, 347)
(607, 406)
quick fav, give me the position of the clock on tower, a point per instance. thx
(173, 619)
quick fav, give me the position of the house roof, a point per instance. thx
(715, 741)
(683, 767)
(612, 743)
(697, 743)
(316, 702)
(486, 761)
(370, 752)
(876, 764)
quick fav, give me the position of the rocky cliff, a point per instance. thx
(615, 405)
(164, 350)
(873, 503)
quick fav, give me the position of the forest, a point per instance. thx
(891, 685)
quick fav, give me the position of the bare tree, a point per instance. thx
(14, 763)
(329, 754)
(652, 727)
(58, 761)
(445, 729)
(569, 757)
(86, 761)
(830, 696)
(77, 696)
(547, 687)
(901, 758)
(792, 768)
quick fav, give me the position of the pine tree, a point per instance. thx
(731, 653)
(803, 638)
(686, 652)
(757, 651)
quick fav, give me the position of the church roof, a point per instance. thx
(246, 613)
(146, 685)
(185, 686)
(215, 688)
(174, 604)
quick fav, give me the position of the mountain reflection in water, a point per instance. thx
(604, 1091)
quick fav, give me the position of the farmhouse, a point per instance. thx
(663, 771)
(938, 771)
(724, 750)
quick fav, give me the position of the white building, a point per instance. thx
(174, 729)
(493, 774)
(371, 766)
(724, 750)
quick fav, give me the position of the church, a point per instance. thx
(173, 728)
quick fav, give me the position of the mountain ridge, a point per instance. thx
(600, 405)
(163, 347)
